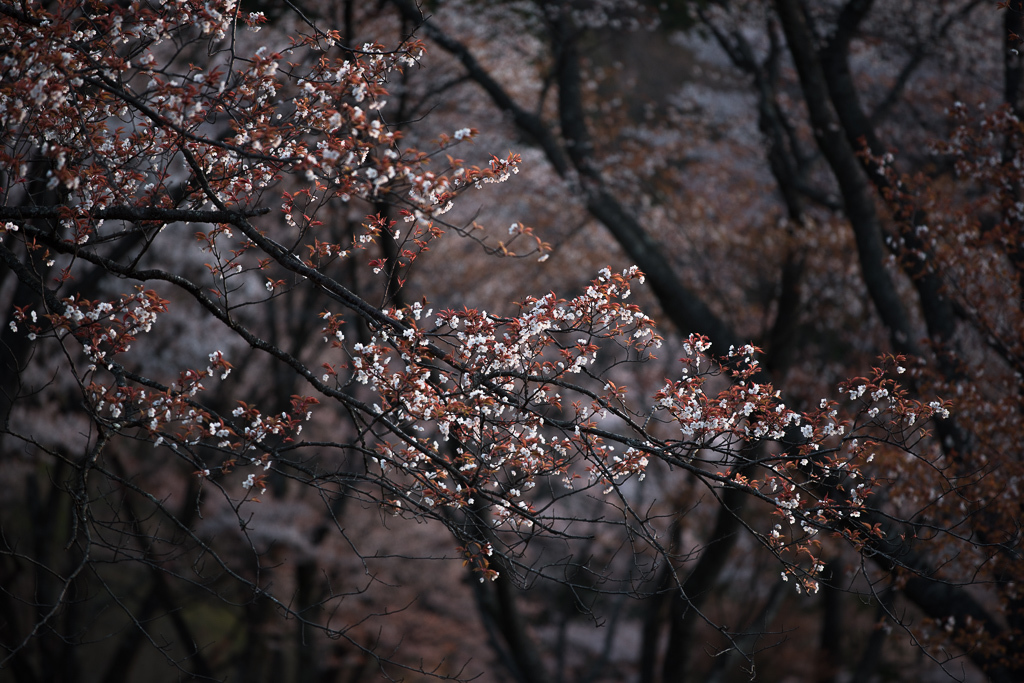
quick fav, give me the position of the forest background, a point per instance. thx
(511, 341)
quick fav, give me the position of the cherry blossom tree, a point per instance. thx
(216, 366)
(831, 82)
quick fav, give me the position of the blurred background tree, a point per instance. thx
(833, 182)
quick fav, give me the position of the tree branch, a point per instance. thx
(135, 214)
